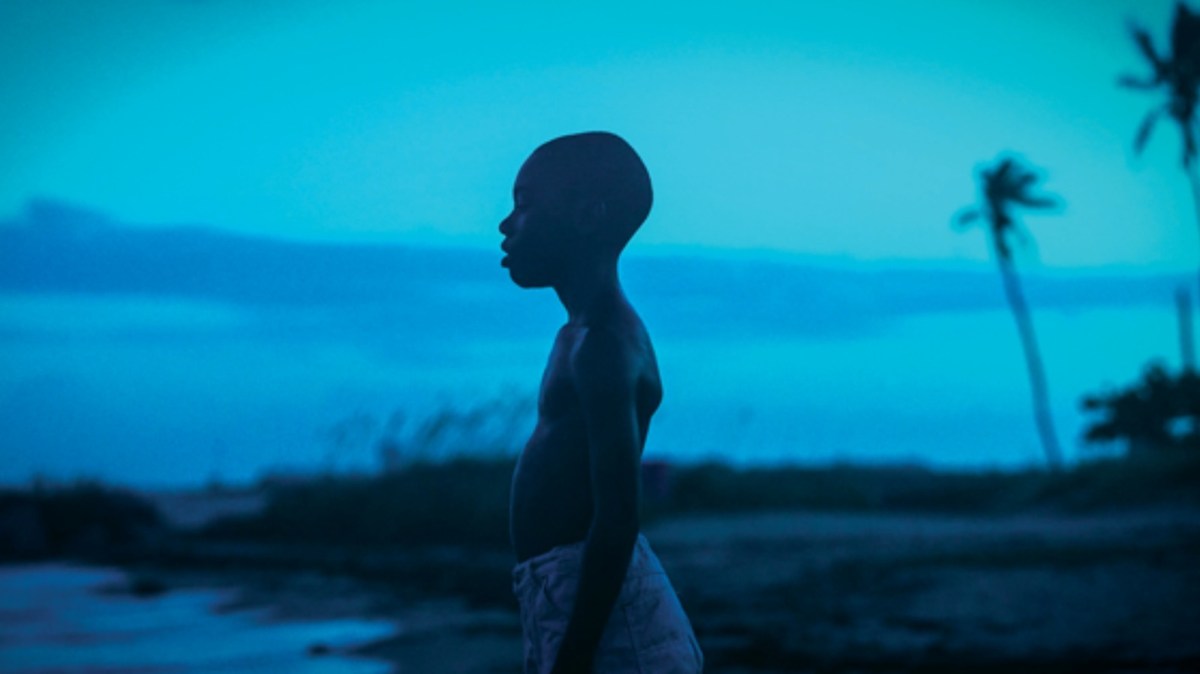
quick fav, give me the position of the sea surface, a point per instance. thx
(944, 390)
(62, 619)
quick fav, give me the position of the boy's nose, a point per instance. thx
(505, 226)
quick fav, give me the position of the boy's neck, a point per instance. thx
(590, 292)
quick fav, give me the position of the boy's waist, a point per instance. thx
(567, 560)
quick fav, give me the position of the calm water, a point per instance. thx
(57, 619)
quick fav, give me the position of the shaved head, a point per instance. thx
(601, 169)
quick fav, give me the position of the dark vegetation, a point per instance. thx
(432, 488)
(1158, 413)
(1098, 485)
(464, 502)
(79, 519)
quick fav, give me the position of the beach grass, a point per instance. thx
(465, 501)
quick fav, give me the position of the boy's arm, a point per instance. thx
(605, 380)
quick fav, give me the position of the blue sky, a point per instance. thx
(840, 129)
(157, 158)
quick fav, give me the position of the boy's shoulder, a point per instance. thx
(611, 350)
(603, 342)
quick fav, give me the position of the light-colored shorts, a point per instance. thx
(647, 632)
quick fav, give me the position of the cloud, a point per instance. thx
(310, 288)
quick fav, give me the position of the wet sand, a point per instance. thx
(909, 593)
(820, 592)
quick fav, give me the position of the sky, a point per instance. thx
(849, 130)
(224, 226)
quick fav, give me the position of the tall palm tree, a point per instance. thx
(1005, 185)
(1178, 73)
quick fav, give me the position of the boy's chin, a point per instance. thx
(527, 281)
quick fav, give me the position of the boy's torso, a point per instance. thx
(551, 490)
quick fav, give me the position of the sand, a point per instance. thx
(821, 592)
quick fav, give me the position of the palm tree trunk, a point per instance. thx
(1033, 363)
(1187, 343)
(1194, 181)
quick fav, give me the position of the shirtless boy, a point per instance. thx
(593, 595)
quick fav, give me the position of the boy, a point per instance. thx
(593, 596)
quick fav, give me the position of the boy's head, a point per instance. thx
(577, 199)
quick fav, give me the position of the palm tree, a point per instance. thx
(1004, 186)
(1178, 72)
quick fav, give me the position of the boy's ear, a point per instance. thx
(592, 216)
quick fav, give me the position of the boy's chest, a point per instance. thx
(556, 395)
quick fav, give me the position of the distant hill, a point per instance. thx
(54, 247)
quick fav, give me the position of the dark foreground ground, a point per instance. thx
(1095, 569)
(902, 593)
(814, 592)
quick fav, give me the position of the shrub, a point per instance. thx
(82, 518)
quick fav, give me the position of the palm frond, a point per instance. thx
(1006, 184)
(966, 217)
(1145, 129)
(1131, 82)
(1189, 144)
(1146, 45)
(1029, 201)
(1024, 180)
(1003, 169)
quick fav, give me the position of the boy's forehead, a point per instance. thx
(539, 173)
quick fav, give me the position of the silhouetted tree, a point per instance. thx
(1178, 73)
(1159, 412)
(1004, 186)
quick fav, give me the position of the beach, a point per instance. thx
(1115, 591)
